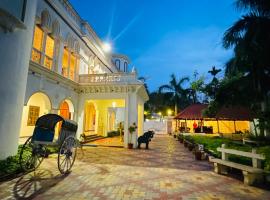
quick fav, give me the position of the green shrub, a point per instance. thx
(11, 164)
(266, 152)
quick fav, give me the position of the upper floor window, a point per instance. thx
(125, 66)
(43, 48)
(69, 64)
(117, 63)
(37, 45)
(49, 49)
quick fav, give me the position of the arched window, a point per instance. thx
(125, 66)
(69, 64)
(42, 52)
(117, 63)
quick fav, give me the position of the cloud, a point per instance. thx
(182, 52)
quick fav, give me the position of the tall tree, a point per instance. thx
(250, 38)
(196, 86)
(178, 93)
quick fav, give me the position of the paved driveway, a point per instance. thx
(166, 171)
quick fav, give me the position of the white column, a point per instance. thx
(126, 123)
(80, 116)
(60, 57)
(131, 116)
(14, 53)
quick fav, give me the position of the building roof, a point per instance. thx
(195, 111)
(192, 112)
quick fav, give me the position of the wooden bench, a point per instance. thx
(245, 140)
(251, 174)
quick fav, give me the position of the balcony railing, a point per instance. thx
(107, 78)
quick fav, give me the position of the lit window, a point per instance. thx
(38, 49)
(37, 45)
(65, 63)
(69, 64)
(49, 48)
(38, 37)
(33, 115)
(72, 66)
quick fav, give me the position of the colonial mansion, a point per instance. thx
(52, 61)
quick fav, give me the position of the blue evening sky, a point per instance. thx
(162, 37)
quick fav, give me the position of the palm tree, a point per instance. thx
(214, 71)
(250, 38)
(179, 94)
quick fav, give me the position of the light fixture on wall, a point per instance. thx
(113, 104)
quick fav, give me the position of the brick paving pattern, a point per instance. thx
(166, 171)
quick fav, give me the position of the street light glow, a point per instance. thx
(107, 47)
(169, 112)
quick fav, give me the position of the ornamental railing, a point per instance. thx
(107, 78)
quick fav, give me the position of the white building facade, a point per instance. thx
(53, 62)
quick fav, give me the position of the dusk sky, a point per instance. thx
(162, 37)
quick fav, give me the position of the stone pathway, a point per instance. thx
(166, 171)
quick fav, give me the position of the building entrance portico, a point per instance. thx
(103, 108)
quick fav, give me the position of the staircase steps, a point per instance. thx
(91, 138)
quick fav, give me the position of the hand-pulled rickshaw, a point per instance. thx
(35, 150)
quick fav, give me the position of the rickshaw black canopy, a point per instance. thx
(49, 121)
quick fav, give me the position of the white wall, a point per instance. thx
(14, 54)
(159, 127)
(40, 100)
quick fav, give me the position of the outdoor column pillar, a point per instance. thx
(185, 125)
(217, 125)
(131, 117)
(80, 116)
(58, 66)
(234, 126)
(15, 54)
(55, 111)
(126, 125)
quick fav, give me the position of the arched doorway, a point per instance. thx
(38, 104)
(64, 110)
(90, 118)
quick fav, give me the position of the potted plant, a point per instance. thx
(190, 146)
(131, 130)
(181, 138)
(198, 152)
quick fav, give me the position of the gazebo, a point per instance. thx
(227, 119)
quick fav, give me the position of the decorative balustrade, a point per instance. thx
(107, 78)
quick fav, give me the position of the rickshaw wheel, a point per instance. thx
(31, 155)
(67, 154)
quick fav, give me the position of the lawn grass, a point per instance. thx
(212, 143)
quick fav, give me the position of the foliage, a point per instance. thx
(113, 133)
(196, 86)
(158, 102)
(247, 79)
(132, 128)
(176, 91)
(212, 143)
(11, 164)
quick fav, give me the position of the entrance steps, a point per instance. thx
(91, 138)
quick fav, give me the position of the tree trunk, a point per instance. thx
(175, 109)
(255, 128)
